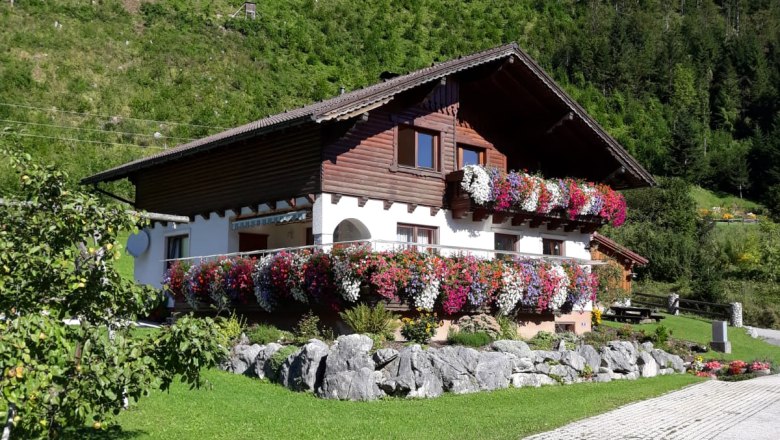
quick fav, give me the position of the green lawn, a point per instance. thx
(238, 407)
(125, 263)
(707, 200)
(700, 330)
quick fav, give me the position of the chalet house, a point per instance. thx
(383, 163)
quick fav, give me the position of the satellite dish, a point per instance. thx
(138, 243)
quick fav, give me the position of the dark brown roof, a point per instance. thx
(364, 99)
(615, 249)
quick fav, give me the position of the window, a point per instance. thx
(504, 242)
(552, 247)
(416, 234)
(468, 155)
(418, 148)
(177, 246)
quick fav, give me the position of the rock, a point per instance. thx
(520, 365)
(542, 368)
(456, 367)
(753, 333)
(618, 357)
(647, 346)
(666, 360)
(546, 356)
(493, 371)
(604, 370)
(561, 346)
(411, 375)
(665, 371)
(479, 323)
(602, 377)
(241, 359)
(634, 375)
(384, 356)
(566, 374)
(574, 360)
(349, 371)
(591, 356)
(263, 357)
(304, 370)
(648, 367)
(517, 348)
(520, 380)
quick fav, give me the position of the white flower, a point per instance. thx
(476, 182)
(556, 197)
(561, 289)
(532, 200)
(590, 194)
(426, 299)
(262, 278)
(347, 282)
(511, 290)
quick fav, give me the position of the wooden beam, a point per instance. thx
(459, 213)
(535, 222)
(362, 201)
(291, 202)
(435, 210)
(387, 204)
(271, 205)
(311, 198)
(518, 219)
(554, 224)
(480, 214)
(410, 207)
(206, 215)
(570, 226)
(220, 213)
(334, 198)
(499, 217)
(564, 119)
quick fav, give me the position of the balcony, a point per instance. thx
(462, 204)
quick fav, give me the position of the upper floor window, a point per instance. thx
(418, 148)
(552, 247)
(468, 155)
(505, 242)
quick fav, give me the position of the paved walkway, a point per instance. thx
(749, 409)
(769, 335)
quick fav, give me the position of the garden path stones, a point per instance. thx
(591, 356)
(349, 370)
(304, 370)
(648, 367)
(241, 359)
(456, 367)
(263, 357)
(517, 348)
(493, 371)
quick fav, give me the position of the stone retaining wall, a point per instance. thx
(348, 370)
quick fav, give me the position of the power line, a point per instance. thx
(95, 129)
(7, 104)
(79, 140)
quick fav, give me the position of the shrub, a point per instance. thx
(625, 331)
(308, 327)
(420, 329)
(374, 320)
(508, 327)
(278, 358)
(264, 334)
(595, 317)
(542, 341)
(469, 339)
(661, 335)
(231, 327)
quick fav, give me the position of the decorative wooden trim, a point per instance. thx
(518, 220)
(387, 204)
(362, 201)
(553, 225)
(499, 217)
(311, 198)
(480, 215)
(192, 218)
(271, 205)
(291, 202)
(535, 222)
(335, 198)
(220, 213)
(435, 210)
(459, 213)
(569, 227)
(410, 207)
(206, 215)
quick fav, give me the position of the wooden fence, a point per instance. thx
(702, 308)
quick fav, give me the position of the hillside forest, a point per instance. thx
(690, 87)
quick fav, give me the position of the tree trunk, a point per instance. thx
(9, 424)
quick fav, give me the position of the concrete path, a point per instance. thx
(749, 409)
(769, 335)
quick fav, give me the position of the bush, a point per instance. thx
(420, 329)
(278, 358)
(263, 334)
(231, 327)
(508, 327)
(308, 327)
(625, 331)
(374, 320)
(469, 339)
(661, 335)
(542, 341)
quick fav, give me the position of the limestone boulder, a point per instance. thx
(456, 367)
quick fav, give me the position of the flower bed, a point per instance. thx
(519, 191)
(734, 370)
(425, 281)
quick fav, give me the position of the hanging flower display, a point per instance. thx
(524, 192)
(452, 284)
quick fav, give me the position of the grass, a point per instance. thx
(125, 264)
(238, 405)
(706, 199)
(699, 330)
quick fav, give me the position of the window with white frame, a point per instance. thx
(176, 246)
